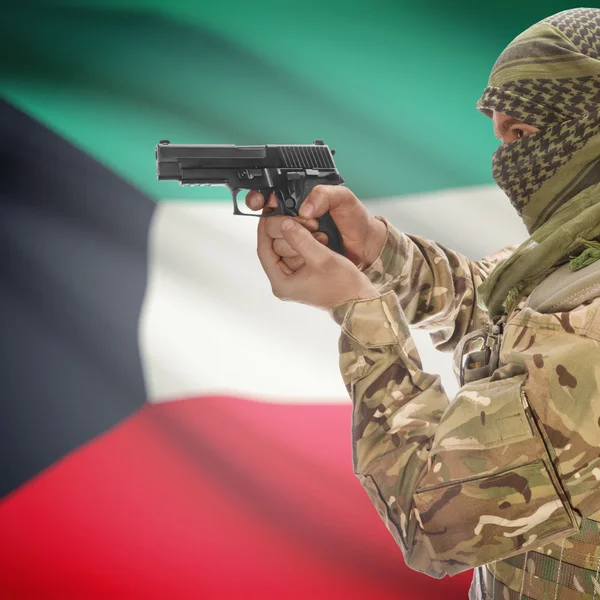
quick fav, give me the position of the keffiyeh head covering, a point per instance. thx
(548, 77)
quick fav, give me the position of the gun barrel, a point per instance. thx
(173, 159)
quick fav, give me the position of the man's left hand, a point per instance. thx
(326, 278)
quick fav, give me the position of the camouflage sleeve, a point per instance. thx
(436, 286)
(458, 484)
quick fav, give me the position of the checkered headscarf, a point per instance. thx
(549, 77)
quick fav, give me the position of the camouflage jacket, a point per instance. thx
(509, 465)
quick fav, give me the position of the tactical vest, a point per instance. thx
(570, 568)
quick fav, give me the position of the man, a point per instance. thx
(505, 476)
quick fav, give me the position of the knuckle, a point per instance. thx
(325, 262)
(320, 193)
(339, 193)
(321, 262)
(281, 247)
(273, 227)
(344, 195)
(315, 194)
(294, 262)
(301, 244)
(285, 251)
(325, 196)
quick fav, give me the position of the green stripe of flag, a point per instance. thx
(390, 85)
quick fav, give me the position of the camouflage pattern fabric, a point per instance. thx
(505, 474)
(548, 77)
(535, 574)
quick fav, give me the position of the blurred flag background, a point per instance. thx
(168, 429)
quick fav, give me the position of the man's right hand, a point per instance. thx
(362, 234)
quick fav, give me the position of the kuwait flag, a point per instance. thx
(168, 428)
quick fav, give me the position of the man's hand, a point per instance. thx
(362, 234)
(326, 278)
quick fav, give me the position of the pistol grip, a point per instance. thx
(327, 225)
(300, 191)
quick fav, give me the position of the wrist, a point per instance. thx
(339, 310)
(375, 242)
(367, 292)
(364, 291)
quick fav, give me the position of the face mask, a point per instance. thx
(540, 172)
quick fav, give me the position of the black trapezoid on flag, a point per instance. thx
(73, 271)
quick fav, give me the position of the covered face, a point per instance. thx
(549, 78)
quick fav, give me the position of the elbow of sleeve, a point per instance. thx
(495, 492)
(416, 550)
(487, 518)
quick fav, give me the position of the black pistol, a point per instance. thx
(290, 172)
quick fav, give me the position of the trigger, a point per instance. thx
(266, 193)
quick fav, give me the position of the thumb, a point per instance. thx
(328, 198)
(316, 204)
(302, 241)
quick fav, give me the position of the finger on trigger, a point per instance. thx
(254, 200)
(272, 203)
